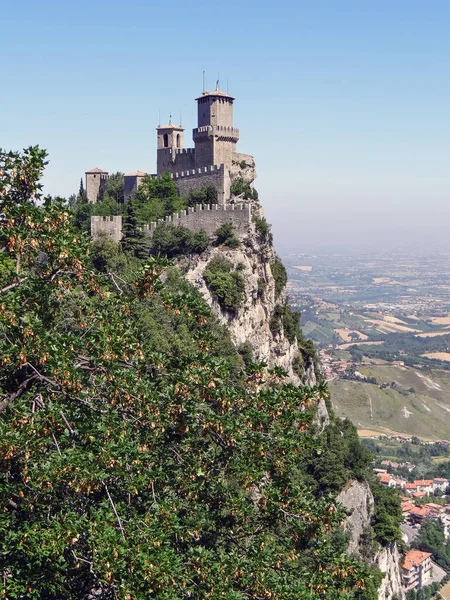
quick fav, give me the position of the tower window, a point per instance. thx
(178, 140)
(166, 140)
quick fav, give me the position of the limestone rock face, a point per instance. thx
(388, 561)
(358, 500)
(243, 167)
(251, 324)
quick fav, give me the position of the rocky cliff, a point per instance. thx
(254, 258)
(359, 503)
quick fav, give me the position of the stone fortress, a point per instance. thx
(213, 161)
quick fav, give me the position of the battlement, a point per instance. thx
(199, 171)
(208, 217)
(170, 151)
(217, 130)
(111, 226)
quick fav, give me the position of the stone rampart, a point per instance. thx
(193, 179)
(111, 226)
(209, 218)
(175, 159)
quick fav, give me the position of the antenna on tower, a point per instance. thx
(203, 81)
(217, 82)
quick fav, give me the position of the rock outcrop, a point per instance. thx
(251, 323)
(358, 500)
(388, 560)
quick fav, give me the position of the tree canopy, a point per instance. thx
(139, 457)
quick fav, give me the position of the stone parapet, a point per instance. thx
(193, 179)
(111, 226)
(209, 218)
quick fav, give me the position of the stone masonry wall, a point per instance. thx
(210, 218)
(188, 181)
(175, 160)
(111, 226)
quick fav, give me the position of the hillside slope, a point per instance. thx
(412, 403)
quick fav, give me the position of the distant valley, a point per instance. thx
(381, 323)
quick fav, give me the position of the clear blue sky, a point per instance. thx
(344, 103)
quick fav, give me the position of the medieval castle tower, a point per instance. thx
(212, 161)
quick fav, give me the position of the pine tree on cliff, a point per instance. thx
(133, 238)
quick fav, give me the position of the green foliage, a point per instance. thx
(241, 188)
(205, 195)
(134, 240)
(246, 351)
(285, 319)
(262, 228)
(431, 538)
(7, 269)
(172, 241)
(280, 276)
(112, 190)
(338, 458)
(225, 235)
(427, 592)
(137, 458)
(226, 285)
(106, 255)
(387, 513)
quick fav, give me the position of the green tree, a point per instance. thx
(174, 241)
(135, 462)
(225, 235)
(226, 284)
(134, 239)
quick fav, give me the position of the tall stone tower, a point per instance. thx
(95, 180)
(170, 139)
(215, 137)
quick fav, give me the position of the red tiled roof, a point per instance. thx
(414, 558)
(96, 170)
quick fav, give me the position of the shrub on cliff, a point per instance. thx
(240, 188)
(280, 275)
(225, 235)
(174, 241)
(262, 228)
(227, 285)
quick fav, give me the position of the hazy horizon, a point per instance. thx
(344, 105)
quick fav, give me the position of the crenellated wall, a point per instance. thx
(111, 226)
(193, 179)
(175, 159)
(209, 218)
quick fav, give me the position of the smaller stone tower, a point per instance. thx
(170, 140)
(131, 183)
(215, 137)
(95, 181)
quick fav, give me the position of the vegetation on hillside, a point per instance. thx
(240, 188)
(225, 235)
(280, 276)
(225, 284)
(139, 457)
